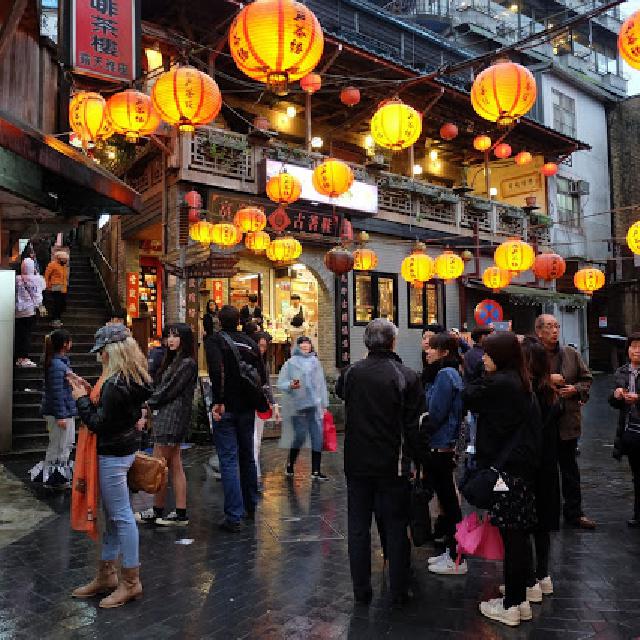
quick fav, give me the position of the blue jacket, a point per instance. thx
(57, 400)
(444, 402)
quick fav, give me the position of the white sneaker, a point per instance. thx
(494, 609)
(440, 558)
(546, 586)
(448, 567)
(29, 363)
(148, 516)
(525, 610)
(534, 594)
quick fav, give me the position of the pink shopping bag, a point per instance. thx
(330, 437)
(478, 537)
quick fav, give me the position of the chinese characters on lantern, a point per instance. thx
(343, 335)
(132, 294)
(103, 38)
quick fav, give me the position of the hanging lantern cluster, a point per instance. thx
(396, 125)
(276, 42)
(495, 278)
(629, 40)
(89, 117)
(417, 268)
(589, 280)
(633, 238)
(132, 114)
(549, 266)
(514, 255)
(449, 266)
(503, 93)
(332, 178)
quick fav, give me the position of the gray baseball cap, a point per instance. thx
(108, 335)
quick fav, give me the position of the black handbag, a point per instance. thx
(419, 516)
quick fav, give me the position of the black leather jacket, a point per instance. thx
(115, 416)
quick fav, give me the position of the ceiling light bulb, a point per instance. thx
(433, 155)
(316, 142)
(368, 141)
(291, 111)
(417, 170)
(493, 191)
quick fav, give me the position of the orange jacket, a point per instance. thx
(56, 274)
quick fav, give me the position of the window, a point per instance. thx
(564, 113)
(375, 295)
(568, 203)
(423, 305)
(49, 19)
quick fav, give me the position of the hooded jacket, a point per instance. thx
(313, 387)
(444, 403)
(114, 418)
(29, 287)
(57, 400)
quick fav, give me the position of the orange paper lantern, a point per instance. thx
(396, 125)
(417, 267)
(225, 234)
(629, 40)
(522, 158)
(332, 178)
(201, 232)
(132, 114)
(257, 241)
(549, 266)
(549, 169)
(449, 266)
(633, 238)
(89, 117)
(311, 83)
(350, 96)
(502, 151)
(284, 188)
(503, 93)
(276, 42)
(186, 97)
(250, 219)
(482, 143)
(514, 255)
(284, 249)
(589, 280)
(448, 131)
(364, 259)
(495, 278)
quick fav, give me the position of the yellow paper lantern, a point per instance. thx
(250, 219)
(89, 117)
(257, 241)
(417, 267)
(201, 232)
(629, 40)
(504, 92)
(276, 42)
(482, 143)
(495, 278)
(284, 188)
(589, 280)
(186, 97)
(284, 249)
(132, 114)
(396, 125)
(225, 234)
(449, 266)
(633, 237)
(514, 255)
(364, 259)
(332, 178)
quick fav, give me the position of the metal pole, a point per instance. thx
(307, 119)
(487, 180)
(411, 160)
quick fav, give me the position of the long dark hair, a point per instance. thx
(187, 348)
(505, 351)
(446, 342)
(53, 344)
(537, 361)
(215, 307)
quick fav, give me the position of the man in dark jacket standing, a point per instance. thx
(234, 416)
(383, 403)
(572, 379)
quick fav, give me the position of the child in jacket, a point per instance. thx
(57, 279)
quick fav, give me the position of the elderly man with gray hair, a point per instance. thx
(383, 403)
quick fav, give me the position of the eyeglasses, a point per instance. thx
(551, 325)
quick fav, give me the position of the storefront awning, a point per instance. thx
(531, 296)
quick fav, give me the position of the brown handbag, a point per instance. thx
(147, 473)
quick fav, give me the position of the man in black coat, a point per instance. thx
(383, 404)
(234, 416)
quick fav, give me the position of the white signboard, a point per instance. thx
(361, 196)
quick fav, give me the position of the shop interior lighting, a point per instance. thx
(417, 169)
(154, 58)
(291, 111)
(316, 142)
(433, 155)
(493, 191)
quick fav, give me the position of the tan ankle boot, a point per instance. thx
(129, 588)
(106, 579)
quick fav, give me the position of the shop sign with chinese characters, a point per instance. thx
(217, 290)
(104, 38)
(343, 335)
(520, 185)
(193, 307)
(132, 294)
(150, 247)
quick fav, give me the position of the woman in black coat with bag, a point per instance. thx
(508, 439)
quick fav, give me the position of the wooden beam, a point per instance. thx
(10, 26)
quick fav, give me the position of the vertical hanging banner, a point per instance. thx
(133, 287)
(193, 307)
(343, 335)
(218, 292)
(104, 38)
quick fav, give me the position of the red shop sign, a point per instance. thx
(132, 294)
(105, 38)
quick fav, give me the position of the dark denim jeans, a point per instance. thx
(233, 437)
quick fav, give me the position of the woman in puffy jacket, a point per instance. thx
(114, 418)
(444, 403)
(29, 287)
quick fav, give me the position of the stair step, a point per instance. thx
(26, 426)
(36, 373)
(23, 388)
(31, 411)
(29, 443)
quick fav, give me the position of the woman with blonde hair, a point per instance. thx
(126, 388)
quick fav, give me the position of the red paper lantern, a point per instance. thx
(549, 266)
(311, 83)
(350, 96)
(522, 158)
(339, 260)
(250, 219)
(502, 151)
(549, 169)
(193, 199)
(194, 215)
(448, 131)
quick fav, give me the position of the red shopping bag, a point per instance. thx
(329, 435)
(476, 537)
(84, 490)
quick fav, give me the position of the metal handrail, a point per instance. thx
(99, 273)
(104, 258)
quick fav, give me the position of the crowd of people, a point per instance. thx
(507, 404)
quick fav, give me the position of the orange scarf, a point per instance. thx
(84, 492)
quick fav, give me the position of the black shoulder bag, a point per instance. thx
(250, 382)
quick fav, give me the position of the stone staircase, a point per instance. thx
(87, 310)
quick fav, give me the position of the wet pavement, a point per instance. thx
(287, 576)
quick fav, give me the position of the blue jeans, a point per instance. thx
(121, 532)
(306, 421)
(233, 437)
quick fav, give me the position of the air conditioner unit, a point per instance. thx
(579, 187)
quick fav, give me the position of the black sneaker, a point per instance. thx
(316, 475)
(231, 527)
(172, 520)
(148, 516)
